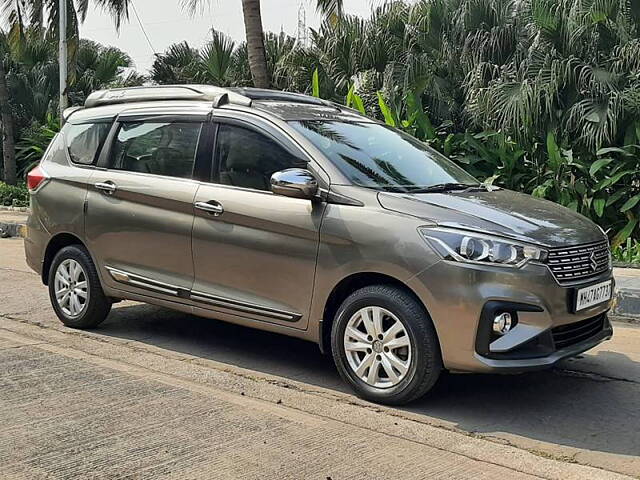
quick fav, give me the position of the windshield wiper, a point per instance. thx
(447, 187)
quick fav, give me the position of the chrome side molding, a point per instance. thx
(244, 307)
(140, 281)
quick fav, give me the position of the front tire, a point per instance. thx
(75, 291)
(385, 346)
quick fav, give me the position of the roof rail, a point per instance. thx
(70, 111)
(278, 95)
(208, 93)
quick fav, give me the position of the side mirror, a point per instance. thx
(294, 182)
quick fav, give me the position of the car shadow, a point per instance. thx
(558, 406)
(244, 347)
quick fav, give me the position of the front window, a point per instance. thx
(376, 156)
(247, 158)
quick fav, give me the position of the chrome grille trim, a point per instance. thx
(580, 262)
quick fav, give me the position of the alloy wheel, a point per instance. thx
(377, 347)
(71, 288)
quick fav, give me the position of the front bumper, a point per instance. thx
(457, 295)
(515, 365)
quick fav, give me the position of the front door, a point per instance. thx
(140, 207)
(254, 252)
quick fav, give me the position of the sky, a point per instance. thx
(166, 22)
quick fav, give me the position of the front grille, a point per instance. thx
(567, 335)
(582, 262)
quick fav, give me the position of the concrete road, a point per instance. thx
(155, 392)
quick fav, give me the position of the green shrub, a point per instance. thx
(14, 195)
(33, 143)
(629, 252)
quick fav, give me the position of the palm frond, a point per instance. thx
(216, 58)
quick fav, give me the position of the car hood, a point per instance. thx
(501, 212)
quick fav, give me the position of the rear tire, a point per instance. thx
(75, 290)
(385, 346)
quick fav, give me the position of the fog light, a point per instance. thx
(502, 323)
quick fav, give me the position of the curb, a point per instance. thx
(8, 230)
(635, 266)
(6, 208)
(627, 303)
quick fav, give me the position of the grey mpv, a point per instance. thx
(299, 216)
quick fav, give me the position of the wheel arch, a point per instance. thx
(346, 287)
(57, 243)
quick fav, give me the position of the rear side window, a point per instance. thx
(167, 149)
(85, 141)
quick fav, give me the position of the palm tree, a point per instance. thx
(255, 38)
(98, 67)
(255, 43)
(572, 70)
(32, 78)
(8, 134)
(217, 59)
(221, 62)
(332, 9)
(44, 15)
(177, 65)
(32, 13)
(32, 75)
(181, 63)
(523, 67)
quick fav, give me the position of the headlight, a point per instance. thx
(470, 247)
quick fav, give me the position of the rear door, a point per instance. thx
(139, 212)
(254, 252)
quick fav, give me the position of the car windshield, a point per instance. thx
(376, 156)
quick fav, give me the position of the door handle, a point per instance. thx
(107, 187)
(211, 207)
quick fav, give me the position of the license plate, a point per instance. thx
(593, 295)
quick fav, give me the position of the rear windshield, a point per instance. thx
(377, 156)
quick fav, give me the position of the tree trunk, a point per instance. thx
(8, 139)
(255, 43)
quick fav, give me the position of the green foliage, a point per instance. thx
(388, 114)
(222, 62)
(14, 195)
(32, 75)
(98, 67)
(31, 67)
(355, 101)
(180, 64)
(492, 157)
(315, 82)
(330, 9)
(33, 144)
(629, 252)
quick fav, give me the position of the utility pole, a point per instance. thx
(62, 58)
